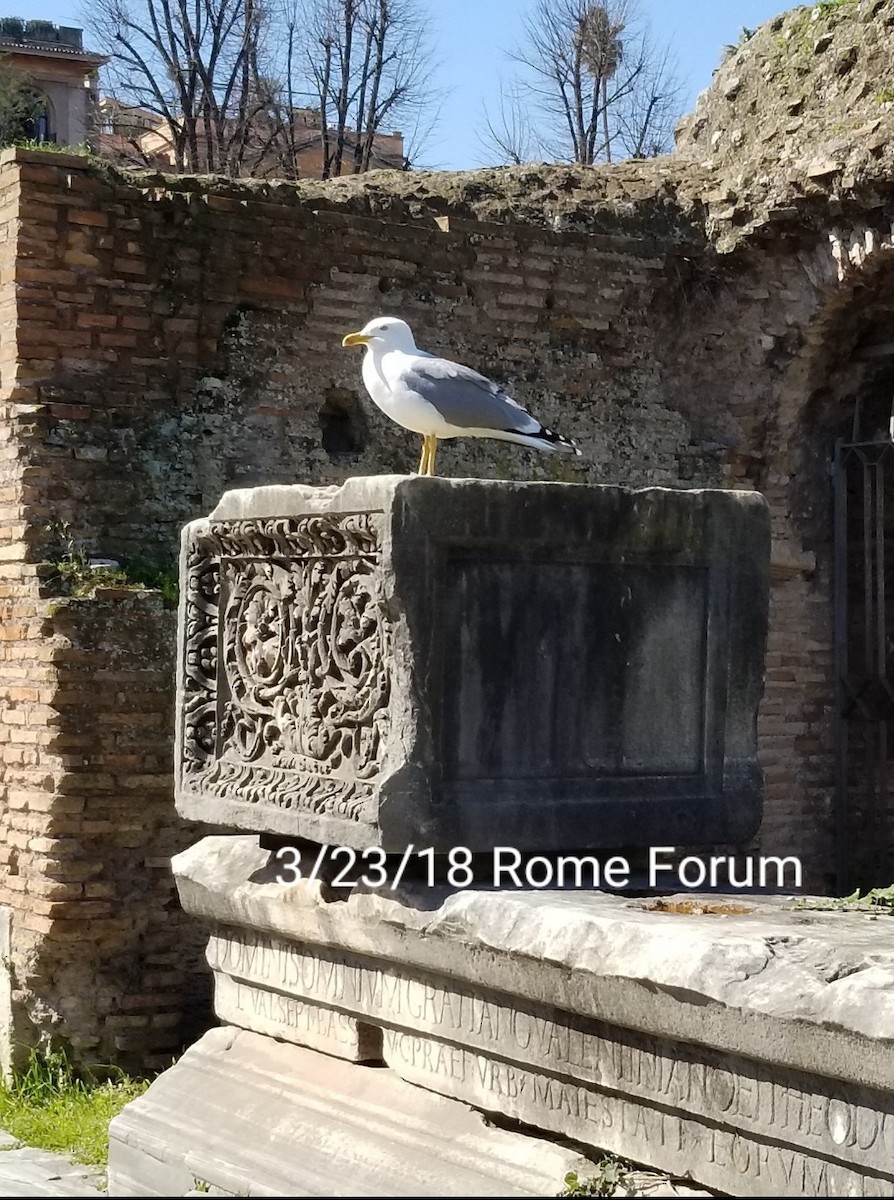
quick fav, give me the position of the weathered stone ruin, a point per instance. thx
(443, 664)
(741, 1046)
(362, 667)
(715, 318)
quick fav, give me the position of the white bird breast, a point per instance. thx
(406, 407)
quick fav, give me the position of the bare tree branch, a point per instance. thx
(592, 85)
(507, 135)
(193, 65)
(258, 86)
(371, 64)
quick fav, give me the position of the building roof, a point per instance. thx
(38, 51)
(46, 40)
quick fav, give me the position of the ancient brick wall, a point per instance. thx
(732, 364)
(172, 343)
(175, 338)
(100, 953)
(120, 964)
(194, 343)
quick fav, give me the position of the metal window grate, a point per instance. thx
(864, 669)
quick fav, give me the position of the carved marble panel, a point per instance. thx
(285, 676)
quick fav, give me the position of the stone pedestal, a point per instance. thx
(746, 1046)
(445, 662)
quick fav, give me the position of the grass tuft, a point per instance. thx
(878, 900)
(82, 149)
(54, 1106)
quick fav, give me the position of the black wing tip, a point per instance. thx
(557, 441)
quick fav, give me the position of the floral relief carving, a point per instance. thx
(285, 670)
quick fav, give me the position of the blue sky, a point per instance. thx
(472, 38)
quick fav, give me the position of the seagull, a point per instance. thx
(439, 398)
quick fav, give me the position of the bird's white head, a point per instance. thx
(382, 334)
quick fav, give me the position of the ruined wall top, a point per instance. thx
(803, 106)
(795, 132)
(653, 199)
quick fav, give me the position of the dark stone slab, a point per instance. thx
(471, 662)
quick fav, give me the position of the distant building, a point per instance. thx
(135, 136)
(54, 58)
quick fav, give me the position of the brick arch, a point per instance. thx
(848, 304)
(852, 271)
(850, 275)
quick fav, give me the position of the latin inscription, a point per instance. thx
(719, 1157)
(292, 1019)
(846, 1123)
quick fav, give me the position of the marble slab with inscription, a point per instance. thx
(469, 662)
(647, 1098)
(754, 1051)
(294, 1019)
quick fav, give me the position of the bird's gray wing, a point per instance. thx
(466, 399)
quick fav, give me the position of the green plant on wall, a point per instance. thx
(83, 150)
(75, 575)
(878, 900)
(158, 576)
(745, 36)
(827, 6)
(609, 1177)
(78, 577)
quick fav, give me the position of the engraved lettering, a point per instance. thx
(532, 1059)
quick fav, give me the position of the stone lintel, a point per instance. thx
(753, 1050)
(774, 984)
(574, 1076)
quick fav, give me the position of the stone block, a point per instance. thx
(749, 1047)
(281, 1016)
(330, 1128)
(26, 1171)
(469, 662)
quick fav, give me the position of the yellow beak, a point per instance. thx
(355, 339)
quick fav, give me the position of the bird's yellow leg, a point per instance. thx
(423, 461)
(432, 454)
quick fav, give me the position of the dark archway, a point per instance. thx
(847, 439)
